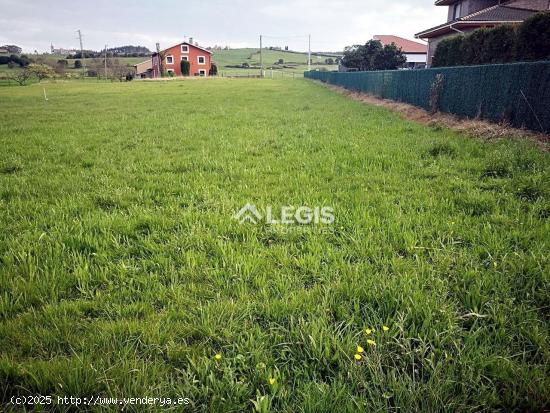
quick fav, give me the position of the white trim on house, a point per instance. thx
(186, 48)
(171, 60)
(186, 58)
(202, 72)
(203, 60)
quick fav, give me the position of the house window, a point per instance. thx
(201, 60)
(202, 72)
(186, 58)
(184, 48)
(169, 60)
(457, 11)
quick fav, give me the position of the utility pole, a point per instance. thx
(105, 61)
(261, 59)
(309, 54)
(81, 50)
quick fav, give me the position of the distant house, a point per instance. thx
(200, 60)
(467, 15)
(144, 69)
(4, 51)
(416, 53)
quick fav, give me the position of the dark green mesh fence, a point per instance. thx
(518, 93)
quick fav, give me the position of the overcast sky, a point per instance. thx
(34, 24)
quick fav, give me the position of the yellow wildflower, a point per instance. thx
(368, 331)
(360, 349)
(218, 356)
(272, 380)
(358, 357)
(385, 328)
(371, 342)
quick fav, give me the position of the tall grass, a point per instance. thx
(122, 272)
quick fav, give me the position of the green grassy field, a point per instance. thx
(297, 60)
(123, 273)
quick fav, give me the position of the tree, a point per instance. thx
(118, 70)
(20, 76)
(12, 49)
(533, 41)
(329, 61)
(77, 64)
(185, 68)
(61, 66)
(40, 71)
(373, 56)
(389, 58)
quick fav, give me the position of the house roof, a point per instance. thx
(143, 67)
(509, 12)
(189, 44)
(408, 46)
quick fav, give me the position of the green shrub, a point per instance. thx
(533, 40)
(213, 70)
(500, 44)
(185, 68)
(449, 52)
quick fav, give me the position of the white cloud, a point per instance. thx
(33, 24)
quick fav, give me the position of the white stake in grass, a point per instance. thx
(45, 96)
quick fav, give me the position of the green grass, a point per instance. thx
(122, 272)
(297, 60)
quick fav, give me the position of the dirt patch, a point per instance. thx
(474, 127)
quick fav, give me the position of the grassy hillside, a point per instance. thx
(297, 61)
(124, 274)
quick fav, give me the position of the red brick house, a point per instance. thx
(200, 60)
(467, 15)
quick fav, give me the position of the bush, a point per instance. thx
(500, 45)
(213, 70)
(533, 40)
(185, 68)
(77, 64)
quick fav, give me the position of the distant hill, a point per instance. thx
(129, 51)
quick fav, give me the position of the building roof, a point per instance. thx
(500, 13)
(408, 46)
(189, 44)
(509, 12)
(143, 67)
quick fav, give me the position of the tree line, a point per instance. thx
(529, 41)
(373, 56)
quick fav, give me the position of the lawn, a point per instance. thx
(124, 274)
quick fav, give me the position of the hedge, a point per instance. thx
(503, 44)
